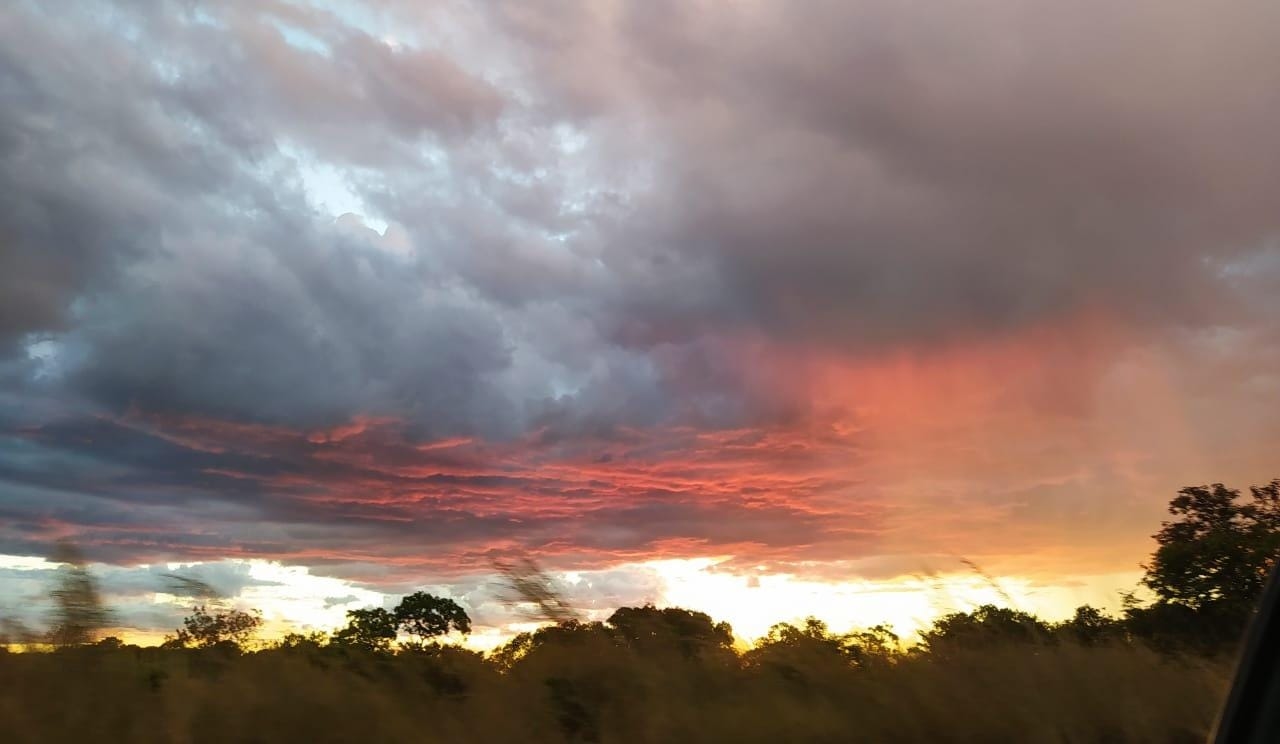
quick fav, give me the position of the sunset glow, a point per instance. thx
(741, 307)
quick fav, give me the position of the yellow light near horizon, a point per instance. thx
(291, 598)
(299, 600)
(908, 604)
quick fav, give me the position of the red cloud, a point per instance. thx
(1053, 447)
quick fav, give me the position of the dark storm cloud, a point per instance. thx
(872, 173)
(850, 174)
(304, 336)
(169, 256)
(131, 491)
(184, 274)
(611, 229)
(49, 221)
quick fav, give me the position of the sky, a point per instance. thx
(869, 310)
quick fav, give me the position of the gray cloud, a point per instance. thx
(861, 176)
(128, 591)
(599, 219)
(868, 174)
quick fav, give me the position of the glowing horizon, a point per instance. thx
(737, 306)
(750, 603)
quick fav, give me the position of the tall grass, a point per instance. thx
(594, 690)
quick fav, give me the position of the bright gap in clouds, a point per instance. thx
(908, 604)
(292, 598)
(329, 191)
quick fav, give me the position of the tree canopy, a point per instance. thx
(987, 625)
(1218, 549)
(688, 632)
(801, 653)
(420, 615)
(1090, 626)
(1209, 568)
(205, 629)
(424, 616)
(372, 629)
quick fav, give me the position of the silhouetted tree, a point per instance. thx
(566, 635)
(372, 629)
(508, 654)
(424, 616)
(813, 630)
(874, 646)
(1090, 626)
(1218, 549)
(78, 610)
(583, 668)
(652, 629)
(1210, 567)
(1176, 627)
(303, 641)
(986, 626)
(14, 632)
(801, 654)
(789, 648)
(223, 628)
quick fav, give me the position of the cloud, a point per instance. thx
(394, 290)
(137, 596)
(366, 492)
(868, 174)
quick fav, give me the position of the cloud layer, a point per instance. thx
(396, 290)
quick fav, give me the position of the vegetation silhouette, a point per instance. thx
(528, 588)
(420, 615)
(371, 629)
(79, 614)
(1209, 569)
(648, 674)
(424, 616)
(230, 629)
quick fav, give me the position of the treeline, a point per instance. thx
(1154, 672)
(644, 675)
(1209, 568)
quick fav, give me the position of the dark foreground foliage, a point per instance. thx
(590, 683)
(1158, 673)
